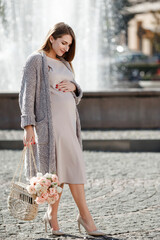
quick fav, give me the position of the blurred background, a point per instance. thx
(117, 61)
(118, 42)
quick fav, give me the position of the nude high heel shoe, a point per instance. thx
(93, 233)
(55, 232)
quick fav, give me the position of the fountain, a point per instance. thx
(25, 23)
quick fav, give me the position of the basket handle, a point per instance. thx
(21, 162)
(34, 162)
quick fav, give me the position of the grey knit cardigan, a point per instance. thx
(35, 106)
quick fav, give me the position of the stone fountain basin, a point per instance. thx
(149, 84)
(110, 109)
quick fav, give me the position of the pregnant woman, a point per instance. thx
(49, 116)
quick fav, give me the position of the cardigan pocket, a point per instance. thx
(41, 131)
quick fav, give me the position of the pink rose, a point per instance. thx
(54, 178)
(50, 195)
(56, 196)
(52, 191)
(43, 190)
(51, 200)
(31, 189)
(45, 195)
(34, 180)
(44, 182)
(40, 200)
(48, 182)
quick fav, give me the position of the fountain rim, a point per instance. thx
(104, 93)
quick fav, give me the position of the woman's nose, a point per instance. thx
(67, 48)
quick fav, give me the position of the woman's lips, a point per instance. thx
(62, 51)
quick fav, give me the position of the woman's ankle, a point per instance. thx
(90, 224)
(54, 224)
(85, 215)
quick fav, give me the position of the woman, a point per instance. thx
(48, 98)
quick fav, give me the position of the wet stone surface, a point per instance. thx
(122, 193)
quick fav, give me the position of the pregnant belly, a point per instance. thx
(63, 109)
(62, 101)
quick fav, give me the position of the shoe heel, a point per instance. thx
(79, 226)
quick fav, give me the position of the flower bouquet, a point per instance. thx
(45, 187)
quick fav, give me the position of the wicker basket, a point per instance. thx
(21, 204)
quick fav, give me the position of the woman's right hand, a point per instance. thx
(29, 136)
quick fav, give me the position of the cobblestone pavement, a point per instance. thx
(122, 193)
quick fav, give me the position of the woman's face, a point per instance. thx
(61, 45)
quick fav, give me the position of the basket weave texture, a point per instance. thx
(21, 204)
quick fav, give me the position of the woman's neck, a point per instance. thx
(51, 55)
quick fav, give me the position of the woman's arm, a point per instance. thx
(27, 93)
(78, 91)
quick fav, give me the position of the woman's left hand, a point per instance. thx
(66, 86)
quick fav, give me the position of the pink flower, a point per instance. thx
(45, 195)
(45, 187)
(40, 200)
(55, 178)
(52, 191)
(43, 190)
(44, 182)
(51, 200)
(31, 189)
(50, 195)
(56, 196)
(34, 180)
(48, 182)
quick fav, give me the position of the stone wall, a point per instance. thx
(126, 109)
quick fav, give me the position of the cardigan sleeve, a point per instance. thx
(27, 93)
(77, 94)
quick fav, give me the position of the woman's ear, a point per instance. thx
(51, 39)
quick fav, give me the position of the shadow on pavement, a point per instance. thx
(78, 237)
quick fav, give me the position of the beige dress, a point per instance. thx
(69, 155)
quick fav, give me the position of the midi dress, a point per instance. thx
(68, 152)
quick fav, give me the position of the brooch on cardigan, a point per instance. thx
(50, 68)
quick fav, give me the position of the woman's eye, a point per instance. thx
(65, 44)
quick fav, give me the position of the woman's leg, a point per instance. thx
(78, 194)
(52, 210)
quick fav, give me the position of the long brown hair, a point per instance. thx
(58, 31)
